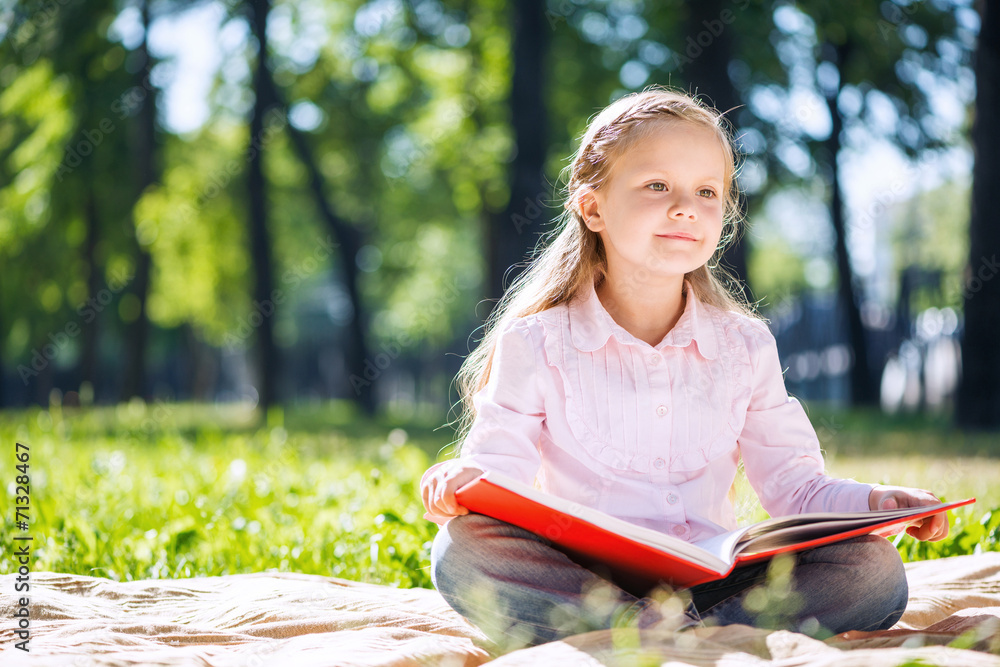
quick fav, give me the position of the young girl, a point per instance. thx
(619, 372)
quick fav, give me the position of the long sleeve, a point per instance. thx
(781, 453)
(509, 411)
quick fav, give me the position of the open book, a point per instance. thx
(648, 556)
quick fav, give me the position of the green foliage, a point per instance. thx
(160, 491)
(971, 532)
(187, 223)
(931, 231)
(179, 490)
(777, 271)
(35, 122)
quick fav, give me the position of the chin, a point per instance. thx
(671, 264)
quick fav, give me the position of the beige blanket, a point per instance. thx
(290, 619)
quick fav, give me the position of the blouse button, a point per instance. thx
(659, 463)
(672, 498)
(655, 359)
(662, 410)
(679, 530)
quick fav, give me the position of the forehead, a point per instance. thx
(675, 144)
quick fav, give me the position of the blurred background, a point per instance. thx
(304, 201)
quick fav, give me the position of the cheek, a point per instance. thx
(714, 228)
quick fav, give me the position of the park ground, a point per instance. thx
(166, 490)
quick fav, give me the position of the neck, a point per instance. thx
(648, 313)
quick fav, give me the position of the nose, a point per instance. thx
(680, 208)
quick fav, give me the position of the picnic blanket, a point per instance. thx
(295, 619)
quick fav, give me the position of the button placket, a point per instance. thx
(659, 397)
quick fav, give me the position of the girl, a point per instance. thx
(619, 372)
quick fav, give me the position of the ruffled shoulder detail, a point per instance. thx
(597, 423)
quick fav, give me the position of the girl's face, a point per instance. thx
(661, 208)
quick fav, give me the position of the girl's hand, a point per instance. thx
(438, 489)
(932, 528)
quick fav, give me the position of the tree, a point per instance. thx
(137, 332)
(63, 133)
(708, 74)
(350, 241)
(850, 294)
(979, 392)
(260, 239)
(513, 235)
(860, 62)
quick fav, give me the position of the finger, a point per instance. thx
(427, 493)
(889, 503)
(453, 485)
(925, 530)
(921, 498)
(440, 499)
(448, 498)
(918, 531)
(940, 526)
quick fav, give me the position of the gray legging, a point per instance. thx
(519, 590)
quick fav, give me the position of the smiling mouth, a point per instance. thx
(678, 237)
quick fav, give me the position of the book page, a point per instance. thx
(791, 530)
(725, 546)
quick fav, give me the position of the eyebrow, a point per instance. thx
(654, 172)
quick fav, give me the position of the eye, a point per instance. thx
(710, 191)
(662, 186)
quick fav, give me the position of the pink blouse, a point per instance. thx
(651, 435)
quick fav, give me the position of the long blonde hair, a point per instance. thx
(573, 254)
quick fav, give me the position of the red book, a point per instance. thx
(650, 557)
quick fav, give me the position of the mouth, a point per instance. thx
(677, 236)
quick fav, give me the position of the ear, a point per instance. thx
(589, 207)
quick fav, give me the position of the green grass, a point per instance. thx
(128, 493)
(175, 490)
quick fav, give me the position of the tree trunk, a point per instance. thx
(260, 242)
(979, 392)
(91, 330)
(203, 367)
(708, 75)
(137, 332)
(862, 381)
(513, 235)
(349, 240)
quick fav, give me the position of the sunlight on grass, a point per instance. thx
(126, 498)
(178, 490)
